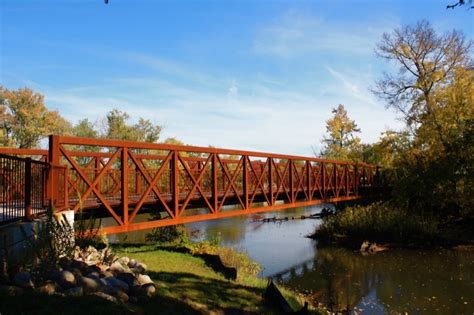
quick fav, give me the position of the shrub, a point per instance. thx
(174, 234)
(378, 222)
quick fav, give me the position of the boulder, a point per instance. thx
(108, 289)
(141, 267)
(106, 274)
(103, 282)
(49, 288)
(132, 263)
(148, 290)
(80, 265)
(365, 246)
(66, 279)
(89, 285)
(75, 291)
(124, 260)
(116, 268)
(144, 279)
(94, 275)
(117, 283)
(23, 280)
(53, 275)
(76, 272)
(128, 277)
(105, 296)
(121, 296)
(10, 290)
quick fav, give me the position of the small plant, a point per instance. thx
(88, 229)
(171, 235)
(54, 241)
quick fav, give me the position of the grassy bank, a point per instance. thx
(386, 223)
(185, 285)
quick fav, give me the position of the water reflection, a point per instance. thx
(418, 282)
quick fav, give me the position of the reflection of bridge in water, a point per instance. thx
(299, 269)
(123, 179)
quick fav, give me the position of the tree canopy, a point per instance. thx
(431, 160)
(341, 141)
(25, 120)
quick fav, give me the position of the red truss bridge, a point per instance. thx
(123, 179)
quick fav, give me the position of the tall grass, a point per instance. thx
(382, 222)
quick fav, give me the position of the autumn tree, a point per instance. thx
(117, 127)
(341, 141)
(25, 120)
(85, 128)
(433, 93)
(427, 62)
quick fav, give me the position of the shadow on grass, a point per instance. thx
(209, 295)
(35, 303)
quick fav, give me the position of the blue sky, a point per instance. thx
(235, 74)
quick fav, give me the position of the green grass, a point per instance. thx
(185, 285)
(380, 222)
(183, 278)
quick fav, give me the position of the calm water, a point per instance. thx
(398, 281)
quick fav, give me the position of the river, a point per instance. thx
(392, 282)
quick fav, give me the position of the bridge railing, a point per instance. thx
(23, 183)
(124, 177)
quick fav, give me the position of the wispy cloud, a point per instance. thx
(169, 67)
(299, 33)
(354, 85)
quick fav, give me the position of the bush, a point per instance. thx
(174, 234)
(377, 222)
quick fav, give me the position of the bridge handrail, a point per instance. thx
(188, 148)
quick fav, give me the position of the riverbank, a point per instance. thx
(393, 227)
(185, 284)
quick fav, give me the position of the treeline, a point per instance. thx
(429, 163)
(25, 121)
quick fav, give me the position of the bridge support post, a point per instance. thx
(323, 186)
(308, 181)
(292, 181)
(245, 181)
(346, 172)
(27, 192)
(53, 176)
(215, 183)
(356, 181)
(270, 182)
(124, 185)
(175, 183)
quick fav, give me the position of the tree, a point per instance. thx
(433, 91)
(84, 128)
(460, 3)
(118, 128)
(146, 131)
(341, 141)
(427, 62)
(25, 120)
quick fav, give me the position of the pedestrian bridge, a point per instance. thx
(183, 184)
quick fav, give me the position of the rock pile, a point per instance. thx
(371, 248)
(90, 272)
